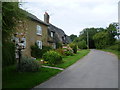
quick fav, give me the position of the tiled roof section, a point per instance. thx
(35, 18)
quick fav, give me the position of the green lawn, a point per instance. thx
(13, 79)
(69, 60)
(113, 51)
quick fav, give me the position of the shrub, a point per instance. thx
(67, 50)
(60, 50)
(29, 65)
(82, 44)
(8, 54)
(38, 53)
(74, 47)
(58, 45)
(52, 57)
(68, 53)
(115, 46)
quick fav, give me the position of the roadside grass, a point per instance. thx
(69, 60)
(14, 79)
(116, 52)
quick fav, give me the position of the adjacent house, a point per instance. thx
(55, 34)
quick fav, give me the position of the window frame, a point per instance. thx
(39, 44)
(52, 34)
(39, 30)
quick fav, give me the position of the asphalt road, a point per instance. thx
(98, 69)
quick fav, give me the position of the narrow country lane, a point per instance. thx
(98, 69)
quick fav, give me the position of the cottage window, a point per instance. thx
(39, 43)
(23, 40)
(52, 34)
(39, 30)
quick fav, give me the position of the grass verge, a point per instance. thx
(69, 60)
(113, 51)
(13, 79)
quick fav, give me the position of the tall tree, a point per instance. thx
(88, 33)
(72, 37)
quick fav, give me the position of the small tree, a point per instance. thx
(82, 44)
(74, 47)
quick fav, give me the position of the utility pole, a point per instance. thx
(87, 40)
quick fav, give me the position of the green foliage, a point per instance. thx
(82, 44)
(101, 40)
(37, 52)
(116, 46)
(72, 37)
(60, 50)
(112, 30)
(58, 45)
(11, 13)
(68, 53)
(91, 32)
(52, 57)
(8, 54)
(74, 47)
(29, 65)
(113, 47)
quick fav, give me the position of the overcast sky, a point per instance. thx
(73, 16)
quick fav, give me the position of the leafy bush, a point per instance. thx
(52, 57)
(74, 47)
(29, 65)
(38, 53)
(113, 47)
(116, 46)
(8, 54)
(68, 51)
(82, 44)
(60, 50)
(58, 45)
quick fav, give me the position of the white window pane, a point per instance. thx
(39, 44)
(39, 30)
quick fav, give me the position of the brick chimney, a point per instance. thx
(46, 17)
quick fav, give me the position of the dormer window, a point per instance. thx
(39, 30)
